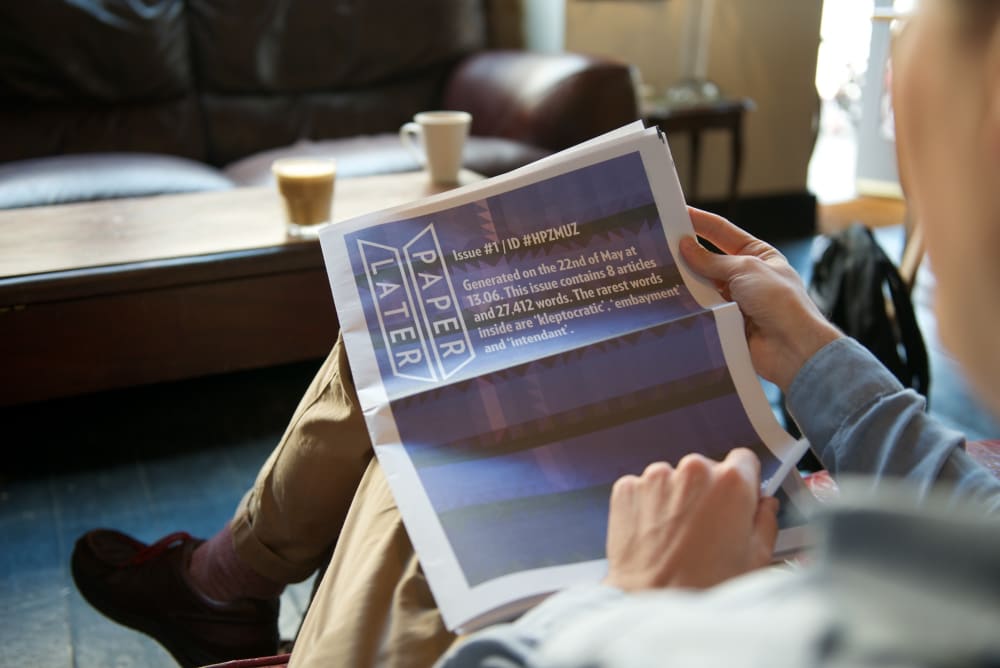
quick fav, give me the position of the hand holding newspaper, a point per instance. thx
(519, 344)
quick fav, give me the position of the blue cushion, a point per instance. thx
(95, 176)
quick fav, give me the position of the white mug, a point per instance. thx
(442, 134)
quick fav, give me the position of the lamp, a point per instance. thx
(694, 87)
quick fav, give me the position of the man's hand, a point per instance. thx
(694, 526)
(784, 327)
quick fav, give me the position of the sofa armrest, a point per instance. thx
(549, 100)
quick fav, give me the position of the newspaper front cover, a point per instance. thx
(520, 344)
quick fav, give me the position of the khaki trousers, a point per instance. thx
(319, 488)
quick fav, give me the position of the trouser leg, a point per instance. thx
(373, 606)
(287, 521)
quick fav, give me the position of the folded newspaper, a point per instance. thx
(520, 343)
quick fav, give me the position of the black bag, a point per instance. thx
(860, 291)
(858, 288)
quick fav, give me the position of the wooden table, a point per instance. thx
(724, 114)
(110, 294)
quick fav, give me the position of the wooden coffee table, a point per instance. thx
(110, 294)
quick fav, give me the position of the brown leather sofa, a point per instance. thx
(117, 98)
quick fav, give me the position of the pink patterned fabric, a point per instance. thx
(278, 661)
(987, 453)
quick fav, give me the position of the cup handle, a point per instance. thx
(407, 133)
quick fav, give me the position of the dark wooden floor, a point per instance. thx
(153, 460)
(147, 461)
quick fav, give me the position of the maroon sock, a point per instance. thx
(218, 572)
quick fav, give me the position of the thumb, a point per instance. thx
(765, 528)
(706, 263)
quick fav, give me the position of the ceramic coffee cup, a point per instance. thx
(442, 136)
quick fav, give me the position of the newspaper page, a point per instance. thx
(519, 344)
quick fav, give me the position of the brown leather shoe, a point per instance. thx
(146, 587)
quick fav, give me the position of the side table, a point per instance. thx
(723, 114)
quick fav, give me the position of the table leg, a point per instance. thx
(695, 163)
(736, 155)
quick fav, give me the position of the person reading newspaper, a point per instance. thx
(696, 532)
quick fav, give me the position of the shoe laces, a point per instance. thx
(154, 550)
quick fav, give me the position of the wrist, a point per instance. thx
(802, 347)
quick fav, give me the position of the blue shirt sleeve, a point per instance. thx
(860, 420)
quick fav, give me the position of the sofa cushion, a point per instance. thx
(85, 77)
(262, 46)
(84, 177)
(383, 154)
(33, 130)
(271, 73)
(94, 51)
(241, 125)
